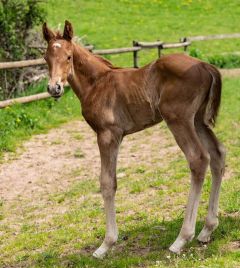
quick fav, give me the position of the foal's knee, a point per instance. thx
(108, 188)
(198, 164)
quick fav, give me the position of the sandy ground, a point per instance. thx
(230, 72)
(42, 165)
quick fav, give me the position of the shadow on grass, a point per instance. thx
(147, 244)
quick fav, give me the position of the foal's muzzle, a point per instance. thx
(56, 90)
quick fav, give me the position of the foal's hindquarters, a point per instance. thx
(188, 103)
(187, 121)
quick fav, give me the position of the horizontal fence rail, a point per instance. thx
(26, 99)
(29, 63)
(21, 64)
(137, 46)
(89, 47)
(116, 50)
(176, 45)
(148, 44)
(212, 37)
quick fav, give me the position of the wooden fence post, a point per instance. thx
(159, 50)
(135, 55)
(184, 39)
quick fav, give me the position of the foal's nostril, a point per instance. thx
(58, 88)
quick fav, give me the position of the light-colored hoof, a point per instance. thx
(178, 245)
(98, 254)
(204, 236)
(101, 252)
(175, 249)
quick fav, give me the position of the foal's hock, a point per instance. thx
(183, 91)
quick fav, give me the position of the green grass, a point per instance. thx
(150, 207)
(111, 24)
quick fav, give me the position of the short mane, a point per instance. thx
(106, 62)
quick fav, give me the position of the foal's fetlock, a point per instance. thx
(188, 236)
(110, 241)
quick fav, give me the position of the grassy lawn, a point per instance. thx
(110, 24)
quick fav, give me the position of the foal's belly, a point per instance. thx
(140, 118)
(137, 128)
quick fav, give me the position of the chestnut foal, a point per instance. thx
(182, 91)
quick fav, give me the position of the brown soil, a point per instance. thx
(44, 162)
(230, 72)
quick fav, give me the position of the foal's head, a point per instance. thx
(59, 57)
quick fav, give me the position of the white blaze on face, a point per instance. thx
(57, 45)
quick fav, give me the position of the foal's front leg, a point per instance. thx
(108, 143)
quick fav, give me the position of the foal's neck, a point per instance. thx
(87, 68)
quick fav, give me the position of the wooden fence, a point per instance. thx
(135, 49)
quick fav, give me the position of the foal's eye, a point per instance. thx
(69, 58)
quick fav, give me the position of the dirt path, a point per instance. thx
(43, 164)
(230, 72)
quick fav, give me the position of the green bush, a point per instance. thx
(197, 53)
(226, 61)
(17, 18)
(17, 21)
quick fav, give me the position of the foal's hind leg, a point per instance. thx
(198, 159)
(217, 164)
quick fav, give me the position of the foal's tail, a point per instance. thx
(214, 96)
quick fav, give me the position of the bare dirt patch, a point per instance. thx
(233, 246)
(43, 164)
(230, 72)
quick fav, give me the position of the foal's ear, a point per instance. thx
(47, 33)
(68, 31)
